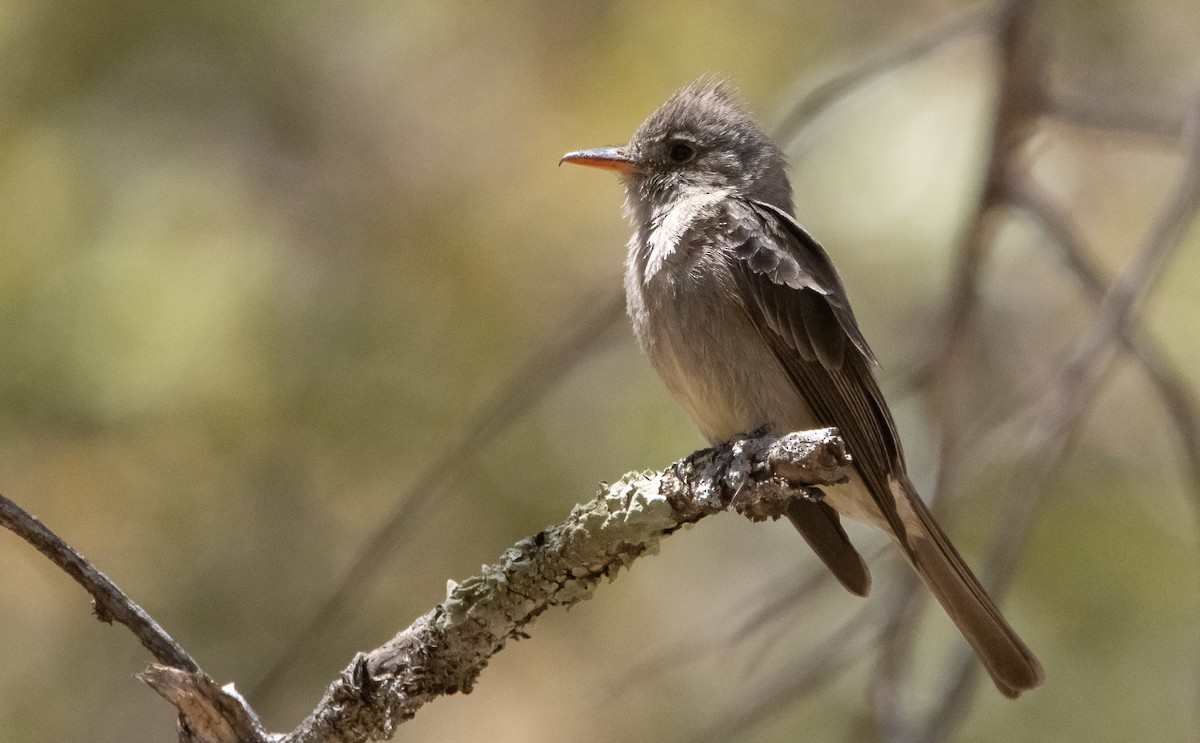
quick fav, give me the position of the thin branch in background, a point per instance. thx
(1177, 398)
(1063, 234)
(896, 639)
(819, 668)
(771, 614)
(532, 382)
(1162, 129)
(772, 610)
(1022, 51)
(839, 88)
(109, 602)
(814, 671)
(720, 634)
(1065, 404)
(1082, 372)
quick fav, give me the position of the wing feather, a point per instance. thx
(796, 299)
(805, 318)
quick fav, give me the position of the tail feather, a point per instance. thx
(1012, 666)
(821, 527)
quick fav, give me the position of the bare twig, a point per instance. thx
(109, 602)
(822, 666)
(1177, 398)
(534, 379)
(1066, 402)
(1084, 113)
(838, 88)
(1022, 51)
(207, 713)
(235, 722)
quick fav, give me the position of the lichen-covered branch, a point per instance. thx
(445, 650)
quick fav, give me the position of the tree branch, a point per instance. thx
(1154, 127)
(444, 651)
(1066, 401)
(109, 603)
(840, 87)
(1021, 47)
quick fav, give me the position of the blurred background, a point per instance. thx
(262, 265)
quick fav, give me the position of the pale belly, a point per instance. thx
(713, 360)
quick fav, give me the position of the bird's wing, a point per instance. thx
(796, 299)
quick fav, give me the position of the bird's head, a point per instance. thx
(701, 140)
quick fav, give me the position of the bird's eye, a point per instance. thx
(681, 152)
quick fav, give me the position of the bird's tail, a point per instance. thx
(1010, 663)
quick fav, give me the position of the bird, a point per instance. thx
(744, 317)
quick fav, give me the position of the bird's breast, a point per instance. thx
(689, 317)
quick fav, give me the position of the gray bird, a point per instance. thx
(747, 322)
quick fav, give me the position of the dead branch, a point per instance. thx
(839, 88)
(109, 603)
(1021, 49)
(1151, 127)
(1065, 403)
(444, 651)
(818, 669)
(1177, 397)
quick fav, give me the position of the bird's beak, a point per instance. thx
(606, 158)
